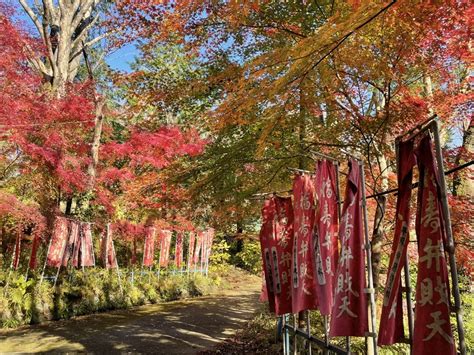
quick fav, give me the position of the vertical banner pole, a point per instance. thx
(308, 330)
(202, 251)
(82, 241)
(295, 337)
(115, 258)
(45, 260)
(286, 319)
(368, 254)
(159, 255)
(339, 212)
(326, 333)
(406, 272)
(283, 322)
(449, 235)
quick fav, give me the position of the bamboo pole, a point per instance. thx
(369, 260)
(449, 234)
(45, 260)
(115, 258)
(406, 271)
(339, 212)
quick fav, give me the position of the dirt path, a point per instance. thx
(182, 327)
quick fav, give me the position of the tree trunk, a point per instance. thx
(92, 168)
(465, 186)
(377, 238)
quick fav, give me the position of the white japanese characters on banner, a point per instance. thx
(432, 312)
(349, 316)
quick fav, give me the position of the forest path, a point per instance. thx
(181, 327)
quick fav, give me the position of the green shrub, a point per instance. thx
(80, 292)
(250, 257)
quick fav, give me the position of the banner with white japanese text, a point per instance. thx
(267, 242)
(178, 258)
(149, 247)
(34, 251)
(16, 255)
(87, 248)
(165, 247)
(326, 232)
(391, 324)
(72, 241)
(433, 332)
(277, 245)
(197, 249)
(57, 244)
(107, 250)
(349, 315)
(303, 277)
(192, 239)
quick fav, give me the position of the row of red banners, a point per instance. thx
(71, 243)
(299, 240)
(310, 262)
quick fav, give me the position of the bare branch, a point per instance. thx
(91, 43)
(84, 9)
(33, 17)
(84, 32)
(51, 10)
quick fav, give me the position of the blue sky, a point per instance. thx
(121, 59)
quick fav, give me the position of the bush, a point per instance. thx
(79, 293)
(250, 257)
(220, 256)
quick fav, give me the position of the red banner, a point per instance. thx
(76, 250)
(349, 316)
(133, 258)
(433, 329)
(267, 242)
(16, 255)
(197, 249)
(277, 244)
(107, 250)
(391, 324)
(87, 248)
(165, 247)
(34, 251)
(326, 231)
(303, 278)
(58, 241)
(149, 247)
(192, 240)
(178, 255)
(73, 240)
